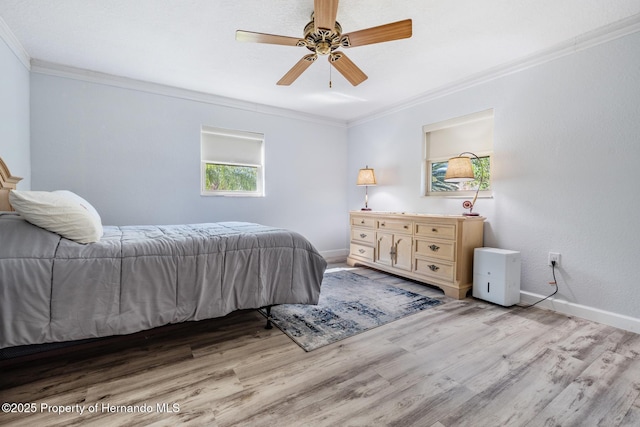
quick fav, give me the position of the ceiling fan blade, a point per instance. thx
(383, 33)
(297, 69)
(249, 36)
(324, 13)
(347, 68)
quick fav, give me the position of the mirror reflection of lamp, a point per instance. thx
(366, 177)
(459, 169)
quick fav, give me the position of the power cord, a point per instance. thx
(555, 282)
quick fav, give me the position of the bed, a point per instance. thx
(134, 278)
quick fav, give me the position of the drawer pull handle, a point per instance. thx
(434, 230)
(406, 226)
(362, 222)
(433, 267)
(382, 224)
(434, 248)
(361, 251)
(362, 235)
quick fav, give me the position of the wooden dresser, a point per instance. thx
(434, 249)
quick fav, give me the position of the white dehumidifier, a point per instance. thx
(496, 275)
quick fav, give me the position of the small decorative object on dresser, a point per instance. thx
(434, 249)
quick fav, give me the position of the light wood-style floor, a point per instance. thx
(463, 363)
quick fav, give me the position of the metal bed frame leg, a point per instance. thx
(268, 325)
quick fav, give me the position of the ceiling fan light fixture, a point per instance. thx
(323, 47)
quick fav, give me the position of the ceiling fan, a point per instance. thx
(323, 36)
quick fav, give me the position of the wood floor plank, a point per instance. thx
(308, 405)
(406, 401)
(525, 390)
(327, 368)
(590, 399)
(430, 408)
(85, 372)
(591, 339)
(629, 345)
(632, 417)
(463, 323)
(499, 363)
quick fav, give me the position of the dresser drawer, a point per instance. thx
(394, 225)
(433, 248)
(364, 235)
(361, 251)
(439, 269)
(442, 231)
(359, 221)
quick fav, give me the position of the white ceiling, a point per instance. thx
(190, 44)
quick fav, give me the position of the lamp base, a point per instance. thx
(470, 214)
(365, 209)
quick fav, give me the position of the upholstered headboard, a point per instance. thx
(7, 183)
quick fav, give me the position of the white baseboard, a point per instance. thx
(589, 313)
(336, 255)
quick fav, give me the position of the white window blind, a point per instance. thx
(475, 136)
(221, 145)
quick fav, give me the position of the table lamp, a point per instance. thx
(459, 169)
(366, 177)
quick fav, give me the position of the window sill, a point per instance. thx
(230, 195)
(462, 195)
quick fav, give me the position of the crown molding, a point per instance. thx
(65, 71)
(14, 44)
(584, 41)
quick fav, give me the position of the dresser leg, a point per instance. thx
(455, 292)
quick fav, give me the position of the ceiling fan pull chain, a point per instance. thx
(330, 76)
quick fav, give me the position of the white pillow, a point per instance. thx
(61, 212)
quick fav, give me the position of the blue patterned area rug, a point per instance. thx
(349, 304)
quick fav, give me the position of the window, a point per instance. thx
(232, 162)
(472, 133)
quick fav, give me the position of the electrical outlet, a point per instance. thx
(554, 256)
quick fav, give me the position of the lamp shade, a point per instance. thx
(366, 177)
(459, 169)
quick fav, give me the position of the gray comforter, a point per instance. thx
(140, 277)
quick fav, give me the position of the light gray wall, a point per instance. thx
(136, 157)
(14, 115)
(566, 151)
